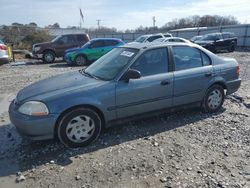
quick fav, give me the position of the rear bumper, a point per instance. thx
(233, 86)
(35, 128)
(4, 60)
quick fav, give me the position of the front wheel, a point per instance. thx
(214, 99)
(80, 60)
(49, 57)
(79, 127)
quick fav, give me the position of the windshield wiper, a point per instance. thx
(88, 74)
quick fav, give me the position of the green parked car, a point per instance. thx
(91, 51)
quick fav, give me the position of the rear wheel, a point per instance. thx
(79, 127)
(214, 99)
(81, 60)
(49, 56)
(231, 48)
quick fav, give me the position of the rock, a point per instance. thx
(20, 178)
(163, 180)
(52, 162)
(78, 177)
(156, 144)
(189, 169)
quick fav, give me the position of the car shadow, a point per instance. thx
(23, 154)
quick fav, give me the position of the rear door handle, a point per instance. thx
(165, 82)
(208, 74)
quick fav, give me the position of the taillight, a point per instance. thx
(238, 70)
(3, 47)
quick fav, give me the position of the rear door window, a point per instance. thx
(98, 44)
(82, 38)
(186, 57)
(111, 43)
(151, 39)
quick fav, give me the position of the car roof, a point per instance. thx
(141, 46)
(115, 39)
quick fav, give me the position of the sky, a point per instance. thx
(128, 14)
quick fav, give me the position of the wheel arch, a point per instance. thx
(81, 54)
(49, 49)
(221, 83)
(92, 107)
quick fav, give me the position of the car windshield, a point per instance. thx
(111, 64)
(55, 39)
(140, 39)
(208, 37)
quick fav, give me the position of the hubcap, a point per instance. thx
(80, 60)
(215, 99)
(49, 57)
(80, 128)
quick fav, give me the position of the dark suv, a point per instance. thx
(48, 51)
(218, 41)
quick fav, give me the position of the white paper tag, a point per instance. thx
(127, 53)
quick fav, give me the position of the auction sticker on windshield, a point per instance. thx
(127, 53)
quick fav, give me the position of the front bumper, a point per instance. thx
(37, 56)
(67, 58)
(233, 86)
(35, 128)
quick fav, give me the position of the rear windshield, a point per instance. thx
(140, 39)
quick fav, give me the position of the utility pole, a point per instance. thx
(154, 21)
(98, 23)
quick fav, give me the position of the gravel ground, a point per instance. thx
(183, 149)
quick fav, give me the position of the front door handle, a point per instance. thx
(165, 82)
(208, 74)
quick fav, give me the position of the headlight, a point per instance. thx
(37, 48)
(34, 108)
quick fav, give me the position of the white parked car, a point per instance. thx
(172, 39)
(4, 56)
(152, 37)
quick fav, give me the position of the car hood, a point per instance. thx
(43, 44)
(57, 85)
(204, 41)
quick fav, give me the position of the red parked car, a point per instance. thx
(4, 56)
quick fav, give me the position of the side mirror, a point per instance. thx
(131, 74)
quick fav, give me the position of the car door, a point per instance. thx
(219, 42)
(109, 45)
(64, 43)
(96, 50)
(153, 91)
(192, 74)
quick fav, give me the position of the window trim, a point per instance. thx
(169, 60)
(210, 61)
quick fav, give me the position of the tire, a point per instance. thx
(231, 48)
(49, 56)
(213, 49)
(79, 127)
(213, 99)
(80, 60)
